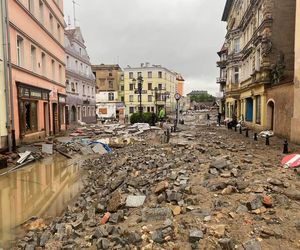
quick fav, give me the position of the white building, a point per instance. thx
(80, 80)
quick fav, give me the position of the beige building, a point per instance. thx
(158, 88)
(295, 136)
(260, 63)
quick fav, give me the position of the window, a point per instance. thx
(83, 112)
(20, 50)
(139, 98)
(53, 69)
(150, 74)
(122, 87)
(130, 75)
(139, 74)
(258, 109)
(131, 98)
(122, 77)
(51, 22)
(257, 61)
(149, 86)
(43, 64)
(41, 11)
(60, 73)
(28, 116)
(59, 32)
(236, 75)
(111, 84)
(80, 51)
(68, 61)
(131, 86)
(88, 90)
(83, 90)
(76, 87)
(81, 68)
(159, 86)
(31, 6)
(122, 99)
(33, 58)
(149, 98)
(237, 45)
(110, 74)
(88, 111)
(111, 96)
(131, 110)
(76, 65)
(159, 74)
(92, 92)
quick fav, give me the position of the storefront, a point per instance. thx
(34, 110)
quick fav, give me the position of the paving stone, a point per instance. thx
(135, 201)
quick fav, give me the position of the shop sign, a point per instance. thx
(36, 94)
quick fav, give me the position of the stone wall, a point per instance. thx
(283, 97)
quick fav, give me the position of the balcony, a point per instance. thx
(222, 63)
(221, 80)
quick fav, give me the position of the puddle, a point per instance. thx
(42, 189)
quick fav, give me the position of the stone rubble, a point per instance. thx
(210, 188)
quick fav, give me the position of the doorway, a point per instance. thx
(46, 118)
(55, 118)
(271, 114)
(249, 109)
(73, 114)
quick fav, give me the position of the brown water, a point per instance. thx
(41, 189)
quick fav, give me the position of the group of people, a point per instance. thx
(219, 117)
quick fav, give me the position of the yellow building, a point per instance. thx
(259, 63)
(158, 88)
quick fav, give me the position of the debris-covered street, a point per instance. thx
(208, 188)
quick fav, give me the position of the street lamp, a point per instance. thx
(154, 93)
(139, 90)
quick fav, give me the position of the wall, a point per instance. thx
(283, 96)
(295, 135)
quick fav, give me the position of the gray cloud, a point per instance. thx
(183, 35)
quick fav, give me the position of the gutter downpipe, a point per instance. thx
(6, 75)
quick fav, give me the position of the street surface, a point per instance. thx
(209, 188)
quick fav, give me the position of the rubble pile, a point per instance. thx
(205, 190)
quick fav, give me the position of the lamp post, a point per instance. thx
(154, 93)
(139, 90)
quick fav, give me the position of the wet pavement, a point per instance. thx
(42, 189)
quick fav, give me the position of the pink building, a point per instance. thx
(36, 33)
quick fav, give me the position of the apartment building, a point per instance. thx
(222, 78)
(110, 91)
(260, 62)
(80, 80)
(295, 129)
(158, 88)
(36, 33)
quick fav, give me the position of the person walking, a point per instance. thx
(208, 119)
(219, 119)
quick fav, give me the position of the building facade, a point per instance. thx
(36, 36)
(110, 91)
(80, 81)
(260, 63)
(222, 78)
(158, 88)
(295, 129)
(180, 84)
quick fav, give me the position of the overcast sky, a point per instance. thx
(182, 35)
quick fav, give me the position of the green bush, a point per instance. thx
(141, 118)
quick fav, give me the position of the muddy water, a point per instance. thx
(41, 189)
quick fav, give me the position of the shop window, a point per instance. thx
(28, 116)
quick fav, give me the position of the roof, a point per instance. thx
(227, 9)
(103, 66)
(179, 77)
(197, 92)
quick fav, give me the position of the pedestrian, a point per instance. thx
(208, 119)
(219, 118)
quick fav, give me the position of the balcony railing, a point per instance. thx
(221, 79)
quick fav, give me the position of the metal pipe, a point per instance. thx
(7, 75)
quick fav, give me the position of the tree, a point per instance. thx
(203, 97)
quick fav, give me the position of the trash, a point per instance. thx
(99, 149)
(105, 218)
(265, 133)
(24, 157)
(291, 161)
(47, 148)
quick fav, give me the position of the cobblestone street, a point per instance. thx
(209, 188)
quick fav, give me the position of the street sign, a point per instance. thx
(177, 96)
(291, 161)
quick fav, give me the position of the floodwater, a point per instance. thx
(42, 189)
